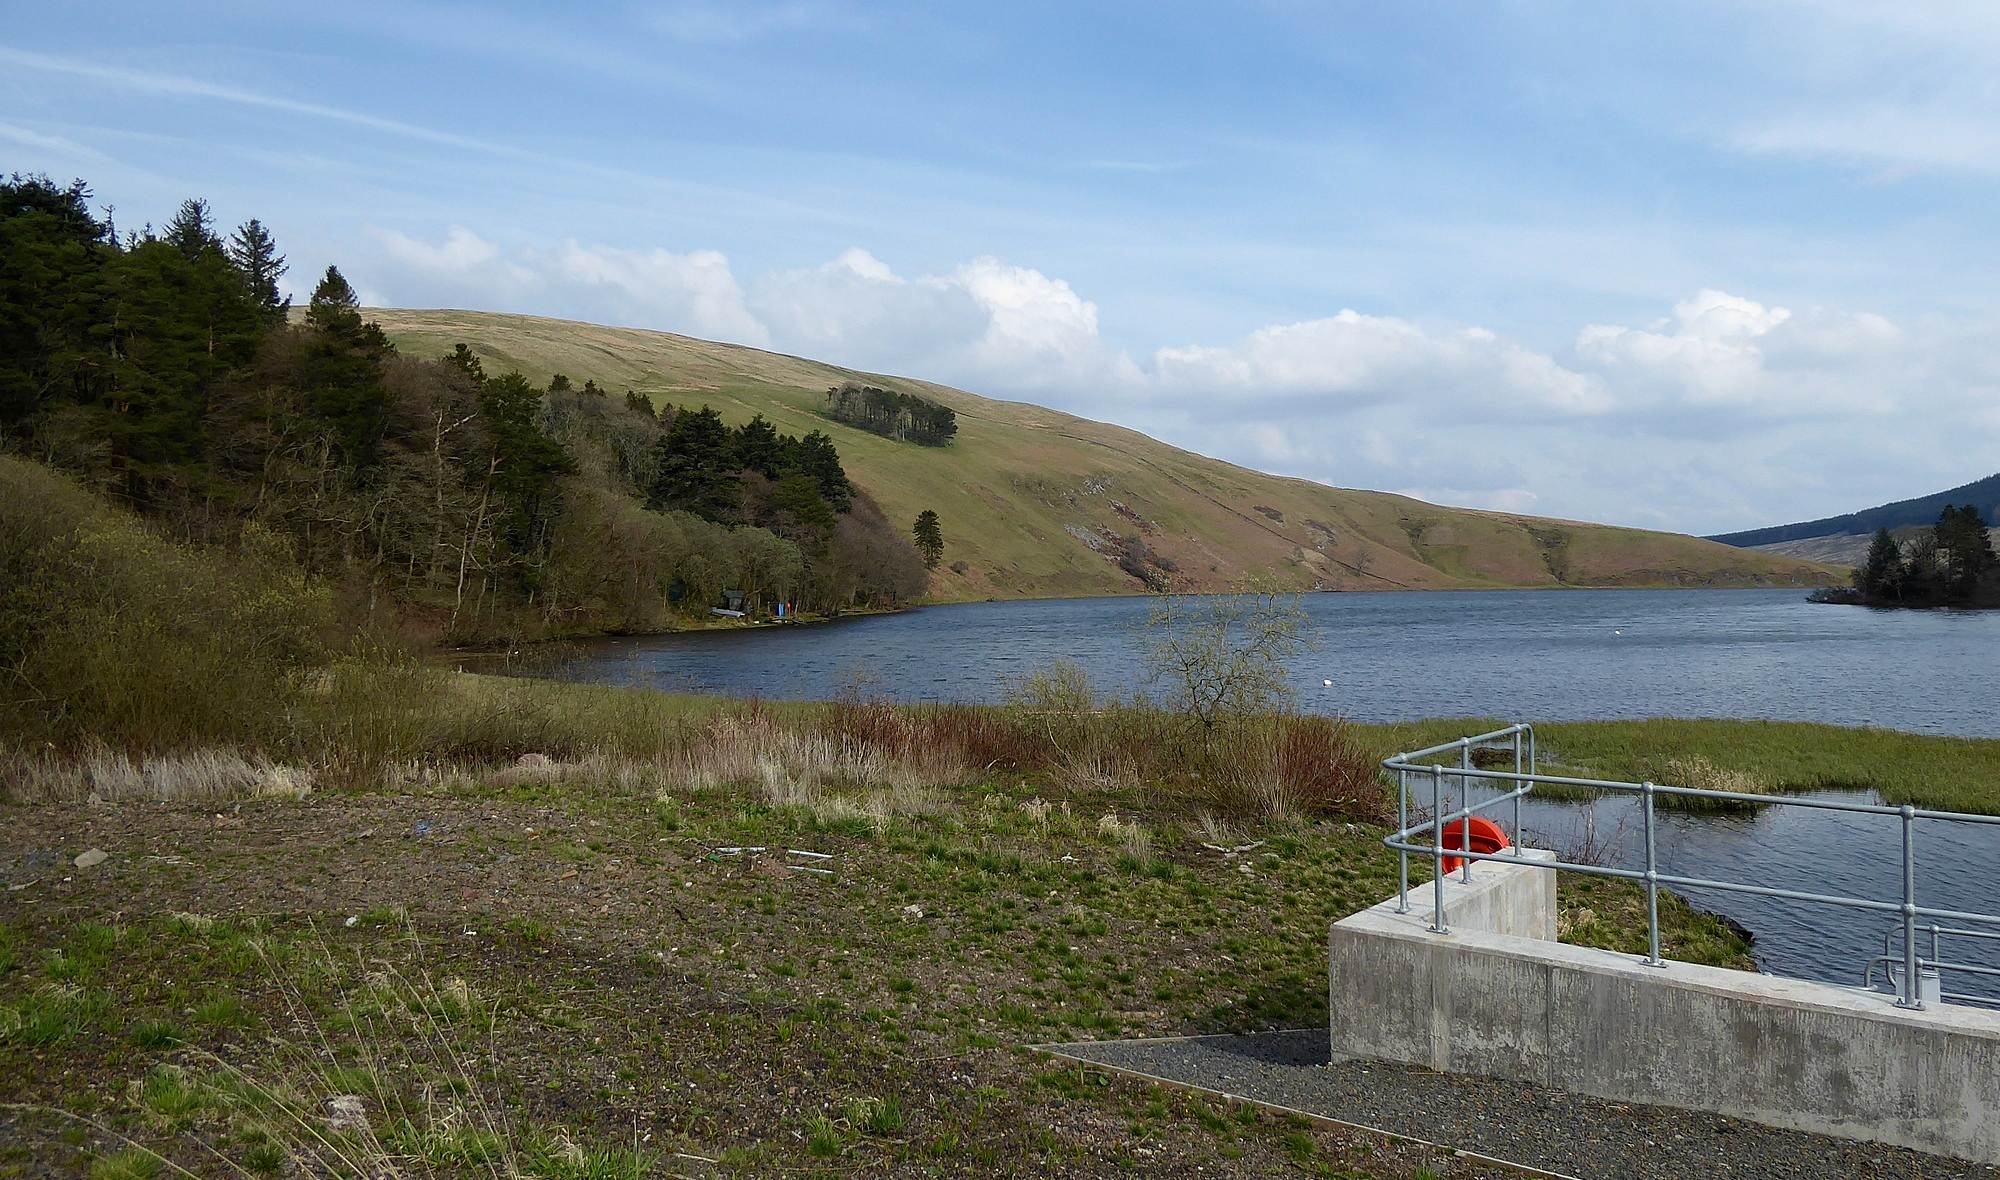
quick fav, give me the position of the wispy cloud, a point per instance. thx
(61, 145)
(179, 86)
(1909, 137)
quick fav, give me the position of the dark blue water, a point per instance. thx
(1531, 656)
(1528, 655)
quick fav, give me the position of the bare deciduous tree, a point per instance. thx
(1225, 657)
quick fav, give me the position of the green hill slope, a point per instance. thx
(1037, 503)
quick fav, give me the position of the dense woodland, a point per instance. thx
(901, 416)
(165, 371)
(1950, 564)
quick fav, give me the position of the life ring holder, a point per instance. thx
(1475, 834)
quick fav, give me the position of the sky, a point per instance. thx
(1696, 266)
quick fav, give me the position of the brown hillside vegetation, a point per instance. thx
(1037, 503)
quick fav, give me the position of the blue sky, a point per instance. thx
(1690, 266)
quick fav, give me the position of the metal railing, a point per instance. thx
(1937, 962)
(1521, 782)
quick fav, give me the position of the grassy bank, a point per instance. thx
(1952, 774)
(522, 942)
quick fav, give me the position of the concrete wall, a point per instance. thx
(1498, 997)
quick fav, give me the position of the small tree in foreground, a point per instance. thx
(1227, 657)
(930, 538)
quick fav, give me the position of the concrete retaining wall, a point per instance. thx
(1499, 997)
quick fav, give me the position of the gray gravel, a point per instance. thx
(1557, 1131)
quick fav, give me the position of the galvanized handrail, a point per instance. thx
(1937, 962)
(1525, 776)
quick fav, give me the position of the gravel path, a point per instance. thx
(1560, 1132)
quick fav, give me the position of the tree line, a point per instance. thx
(901, 416)
(164, 369)
(1950, 564)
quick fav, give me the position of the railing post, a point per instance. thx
(1911, 997)
(1464, 804)
(1402, 826)
(1514, 833)
(1437, 850)
(1652, 886)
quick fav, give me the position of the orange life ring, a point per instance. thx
(1484, 836)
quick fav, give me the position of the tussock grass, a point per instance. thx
(108, 776)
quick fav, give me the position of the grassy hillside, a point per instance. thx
(1033, 501)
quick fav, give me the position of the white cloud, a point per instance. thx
(1351, 357)
(694, 294)
(695, 289)
(857, 311)
(984, 323)
(1038, 326)
(461, 251)
(1722, 351)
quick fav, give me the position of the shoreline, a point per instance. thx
(722, 625)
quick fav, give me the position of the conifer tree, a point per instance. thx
(757, 447)
(695, 470)
(1967, 549)
(930, 538)
(466, 361)
(1881, 575)
(255, 254)
(819, 459)
(343, 369)
(192, 231)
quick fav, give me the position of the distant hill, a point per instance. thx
(1036, 503)
(1839, 530)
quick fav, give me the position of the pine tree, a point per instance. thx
(930, 538)
(757, 447)
(695, 471)
(796, 511)
(525, 462)
(335, 308)
(343, 369)
(819, 459)
(1881, 575)
(255, 254)
(1967, 549)
(467, 362)
(192, 231)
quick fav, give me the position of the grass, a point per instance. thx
(1946, 773)
(1029, 535)
(557, 967)
(563, 976)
